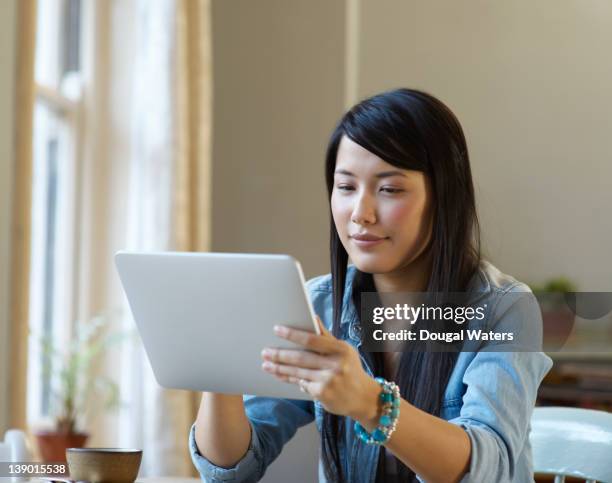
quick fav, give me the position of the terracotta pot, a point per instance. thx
(52, 445)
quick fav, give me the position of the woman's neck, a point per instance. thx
(412, 278)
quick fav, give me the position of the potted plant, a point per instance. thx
(557, 316)
(75, 390)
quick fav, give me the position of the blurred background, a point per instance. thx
(201, 125)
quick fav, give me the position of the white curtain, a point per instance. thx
(159, 86)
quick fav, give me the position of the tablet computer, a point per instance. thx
(204, 318)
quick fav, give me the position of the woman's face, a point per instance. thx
(382, 213)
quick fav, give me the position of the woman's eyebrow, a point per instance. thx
(383, 174)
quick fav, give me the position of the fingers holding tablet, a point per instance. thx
(323, 344)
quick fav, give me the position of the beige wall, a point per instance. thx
(530, 81)
(278, 90)
(7, 73)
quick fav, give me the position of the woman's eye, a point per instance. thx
(388, 189)
(344, 187)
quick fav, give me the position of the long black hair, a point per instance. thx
(409, 129)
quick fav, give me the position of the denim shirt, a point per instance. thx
(490, 394)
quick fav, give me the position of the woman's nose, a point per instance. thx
(364, 212)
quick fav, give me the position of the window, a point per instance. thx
(56, 147)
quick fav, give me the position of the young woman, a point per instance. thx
(403, 209)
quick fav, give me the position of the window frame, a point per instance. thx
(70, 112)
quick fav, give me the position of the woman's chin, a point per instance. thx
(372, 264)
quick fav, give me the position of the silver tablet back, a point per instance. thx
(205, 317)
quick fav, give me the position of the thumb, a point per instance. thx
(322, 328)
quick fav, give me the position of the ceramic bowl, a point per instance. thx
(102, 465)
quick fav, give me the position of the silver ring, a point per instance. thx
(302, 383)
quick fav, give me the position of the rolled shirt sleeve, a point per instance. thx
(248, 466)
(501, 391)
(273, 423)
(496, 414)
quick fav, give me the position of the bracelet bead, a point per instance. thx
(390, 402)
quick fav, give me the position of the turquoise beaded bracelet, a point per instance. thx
(390, 401)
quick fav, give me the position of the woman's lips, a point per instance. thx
(367, 243)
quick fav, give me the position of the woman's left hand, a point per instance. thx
(329, 370)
